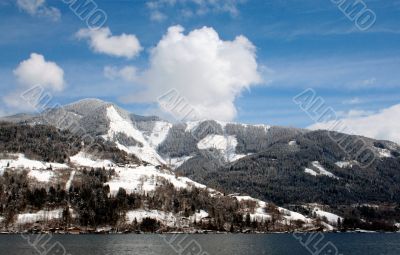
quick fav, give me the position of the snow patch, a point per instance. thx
(21, 161)
(159, 133)
(225, 144)
(41, 215)
(191, 125)
(86, 160)
(319, 170)
(146, 152)
(177, 162)
(120, 125)
(144, 179)
(168, 219)
(330, 217)
(261, 215)
(41, 175)
(69, 182)
(198, 216)
(310, 171)
(292, 143)
(383, 153)
(346, 164)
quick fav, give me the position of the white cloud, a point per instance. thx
(205, 70)
(127, 73)
(39, 8)
(37, 71)
(189, 8)
(156, 15)
(102, 41)
(384, 124)
(33, 75)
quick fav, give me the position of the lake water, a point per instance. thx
(224, 244)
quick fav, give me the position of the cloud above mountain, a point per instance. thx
(380, 125)
(203, 69)
(102, 41)
(38, 71)
(35, 71)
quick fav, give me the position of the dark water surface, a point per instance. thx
(224, 244)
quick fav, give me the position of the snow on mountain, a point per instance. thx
(345, 164)
(260, 213)
(70, 179)
(41, 175)
(192, 125)
(118, 124)
(159, 133)
(177, 162)
(145, 152)
(144, 179)
(168, 219)
(42, 215)
(383, 153)
(87, 160)
(330, 217)
(318, 169)
(20, 161)
(225, 144)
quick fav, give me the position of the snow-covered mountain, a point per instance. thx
(150, 138)
(288, 166)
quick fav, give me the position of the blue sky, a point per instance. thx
(299, 45)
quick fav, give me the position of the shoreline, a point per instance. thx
(199, 233)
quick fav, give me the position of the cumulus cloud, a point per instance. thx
(126, 73)
(380, 125)
(102, 41)
(189, 8)
(34, 74)
(39, 8)
(37, 71)
(208, 72)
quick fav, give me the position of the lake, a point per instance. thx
(224, 244)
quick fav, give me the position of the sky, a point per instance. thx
(232, 60)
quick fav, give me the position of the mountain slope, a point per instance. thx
(279, 164)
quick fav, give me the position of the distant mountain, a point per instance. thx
(280, 164)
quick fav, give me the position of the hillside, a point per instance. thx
(294, 168)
